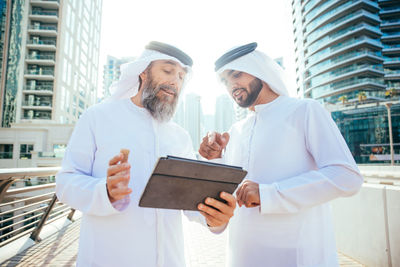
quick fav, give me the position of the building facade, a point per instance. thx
(49, 66)
(347, 57)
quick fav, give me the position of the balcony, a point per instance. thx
(43, 45)
(391, 37)
(390, 24)
(47, 31)
(339, 8)
(352, 18)
(341, 36)
(343, 60)
(37, 105)
(390, 11)
(345, 74)
(36, 115)
(391, 62)
(48, 16)
(39, 89)
(39, 59)
(391, 49)
(392, 75)
(345, 86)
(50, 4)
(340, 48)
(39, 74)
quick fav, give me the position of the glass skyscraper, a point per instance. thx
(348, 58)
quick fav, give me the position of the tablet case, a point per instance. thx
(179, 183)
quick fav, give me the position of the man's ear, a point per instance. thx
(142, 79)
(143, 75)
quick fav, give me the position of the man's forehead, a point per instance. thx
(169, 62)
(228, 73)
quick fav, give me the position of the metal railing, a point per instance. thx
(25, 210)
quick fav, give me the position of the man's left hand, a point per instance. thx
(218, 213)
(248, 194)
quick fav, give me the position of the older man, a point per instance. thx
(297, 161)
(96, 180)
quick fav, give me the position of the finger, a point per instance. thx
(115, 159)
(252, 199)
(112, 181)
(211, 221)
(215, 146)
(211, 137)
(225, 139)
(115, 169)
(119, 193)
(237, 196)
(222, 207)
(213, 212)
(241, 193)
(229, 198)
(203, 152)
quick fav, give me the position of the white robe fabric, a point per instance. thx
(134, 236)
(294, 150)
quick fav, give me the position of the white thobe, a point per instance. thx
(294, 150)
(134, 236)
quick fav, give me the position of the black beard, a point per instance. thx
(161, 108)
(255, 88)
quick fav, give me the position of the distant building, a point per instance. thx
(112, 72)
(224, 113)
(194, 118)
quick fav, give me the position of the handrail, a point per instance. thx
(26, 210)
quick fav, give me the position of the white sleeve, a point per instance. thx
(337, 174)
(75, 185)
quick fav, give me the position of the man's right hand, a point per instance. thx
(118, 176)
(213, 144)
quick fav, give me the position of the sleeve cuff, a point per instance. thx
(218, 229)
(121, 204)
(266, 193)
(111, 208)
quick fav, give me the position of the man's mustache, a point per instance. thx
(168, 88)
(236, 89)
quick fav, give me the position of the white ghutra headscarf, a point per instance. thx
(247, 59)
(128, 84)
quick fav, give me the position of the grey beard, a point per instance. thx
(161, 110)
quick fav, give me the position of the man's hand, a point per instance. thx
(248, 194)
(218, 213)
(212, 145)
(118, 176)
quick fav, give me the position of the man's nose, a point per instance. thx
(175, 81)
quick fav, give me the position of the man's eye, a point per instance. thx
(167, 71)
(237, 74)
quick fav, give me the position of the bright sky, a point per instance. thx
(204, 29)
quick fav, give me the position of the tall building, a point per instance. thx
(50, 60)
(224, 113)
(194, 118)
(49, 68)
(112, 72)
(347, 57)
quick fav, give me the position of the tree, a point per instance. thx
(362, 96)
(343, 98)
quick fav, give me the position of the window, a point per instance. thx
(25, 151)
(6, 151)
(59, 150)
